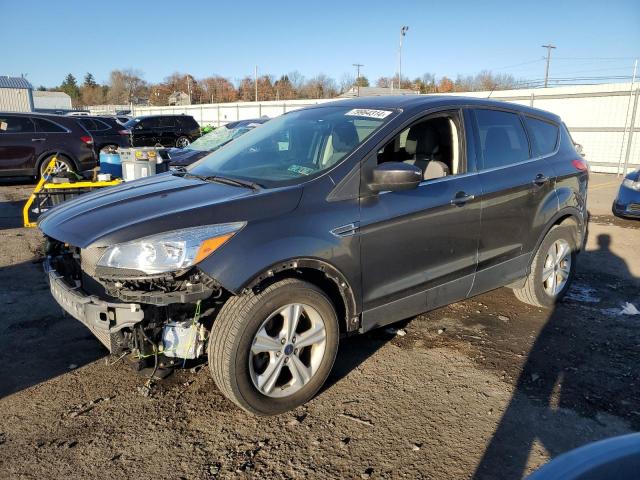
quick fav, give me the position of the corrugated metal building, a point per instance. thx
(16, 94)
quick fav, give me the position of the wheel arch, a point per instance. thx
(566, 216)
(321, 274)
(62, 153)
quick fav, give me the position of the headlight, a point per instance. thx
(635, 185)
(170, 251)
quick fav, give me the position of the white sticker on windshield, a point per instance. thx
(367, 112)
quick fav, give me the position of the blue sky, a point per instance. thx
(47, 39)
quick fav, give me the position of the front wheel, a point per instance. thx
(182, 142)
(552, 269)
(272, 351)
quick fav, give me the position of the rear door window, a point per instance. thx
(16, 124)
(543, 135)
(167, 122)
(150, 123)
(46, 126)
(503, 140)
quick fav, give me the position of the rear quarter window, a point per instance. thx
(543, 135)
(503, 140)
(89, 124)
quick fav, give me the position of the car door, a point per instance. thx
(145, 133)
(516, 188)
(168, 130)
(18, 142)
(419, 247)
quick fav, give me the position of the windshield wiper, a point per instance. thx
(233, 181)
(181, 171)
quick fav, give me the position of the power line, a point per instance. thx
(549, 47)
(358, 65)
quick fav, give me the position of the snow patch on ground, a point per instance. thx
(579, 292)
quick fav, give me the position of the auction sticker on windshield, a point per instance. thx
(367, 112)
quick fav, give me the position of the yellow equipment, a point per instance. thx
(47, 195)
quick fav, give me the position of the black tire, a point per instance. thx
(533, 291)
(232, 336)
(62, 159)
(182, 141)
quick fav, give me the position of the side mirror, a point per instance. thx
(579, 149)
(395, 176)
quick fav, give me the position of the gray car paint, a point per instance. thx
(404, 252)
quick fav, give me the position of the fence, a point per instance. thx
(604, 119)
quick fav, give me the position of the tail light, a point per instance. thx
(87, 139)
(580, 164)
(124, 132)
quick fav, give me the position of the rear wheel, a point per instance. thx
(62, 165)
(552, 269)
(272, 351)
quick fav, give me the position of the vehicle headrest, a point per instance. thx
(422, 139)
(344, 137)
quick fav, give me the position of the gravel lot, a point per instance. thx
(489, 387)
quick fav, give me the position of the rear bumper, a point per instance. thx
(104, 319)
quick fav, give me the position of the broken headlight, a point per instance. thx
(170, 251)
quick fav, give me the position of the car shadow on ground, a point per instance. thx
(38, 341)
(571, 367)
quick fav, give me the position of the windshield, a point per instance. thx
(292, 146)
(132, 123)
(213, 140)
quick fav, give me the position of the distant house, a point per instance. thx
(16, 94)
(51, 101)
(377, 91)
(179, 98)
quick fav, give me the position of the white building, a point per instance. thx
(51, 101)
(16, 94)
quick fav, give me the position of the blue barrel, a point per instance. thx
(111, 163)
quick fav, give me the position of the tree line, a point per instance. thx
(128, 86)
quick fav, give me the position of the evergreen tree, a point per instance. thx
(89, 81)
(70, 87)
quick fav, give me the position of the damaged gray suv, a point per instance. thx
(324, 222)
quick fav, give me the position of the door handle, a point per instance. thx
(540, 180)
(461, 198)
(38, 139)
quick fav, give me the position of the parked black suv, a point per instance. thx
(166, 130)
(323, 222)
(29, 140)
(107, 132)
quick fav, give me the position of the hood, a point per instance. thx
(159, 204)
(185, 156)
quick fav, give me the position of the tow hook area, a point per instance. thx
(179, 343)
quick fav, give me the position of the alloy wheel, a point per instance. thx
(287, 350)
(557, 267)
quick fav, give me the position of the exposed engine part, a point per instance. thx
(183, 339)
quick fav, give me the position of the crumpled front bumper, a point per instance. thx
(103, 318)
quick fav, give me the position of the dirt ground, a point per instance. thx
(485, 388)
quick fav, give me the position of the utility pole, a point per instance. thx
(403, 32)
(546, 72)
(358, 65)
(255, 81)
